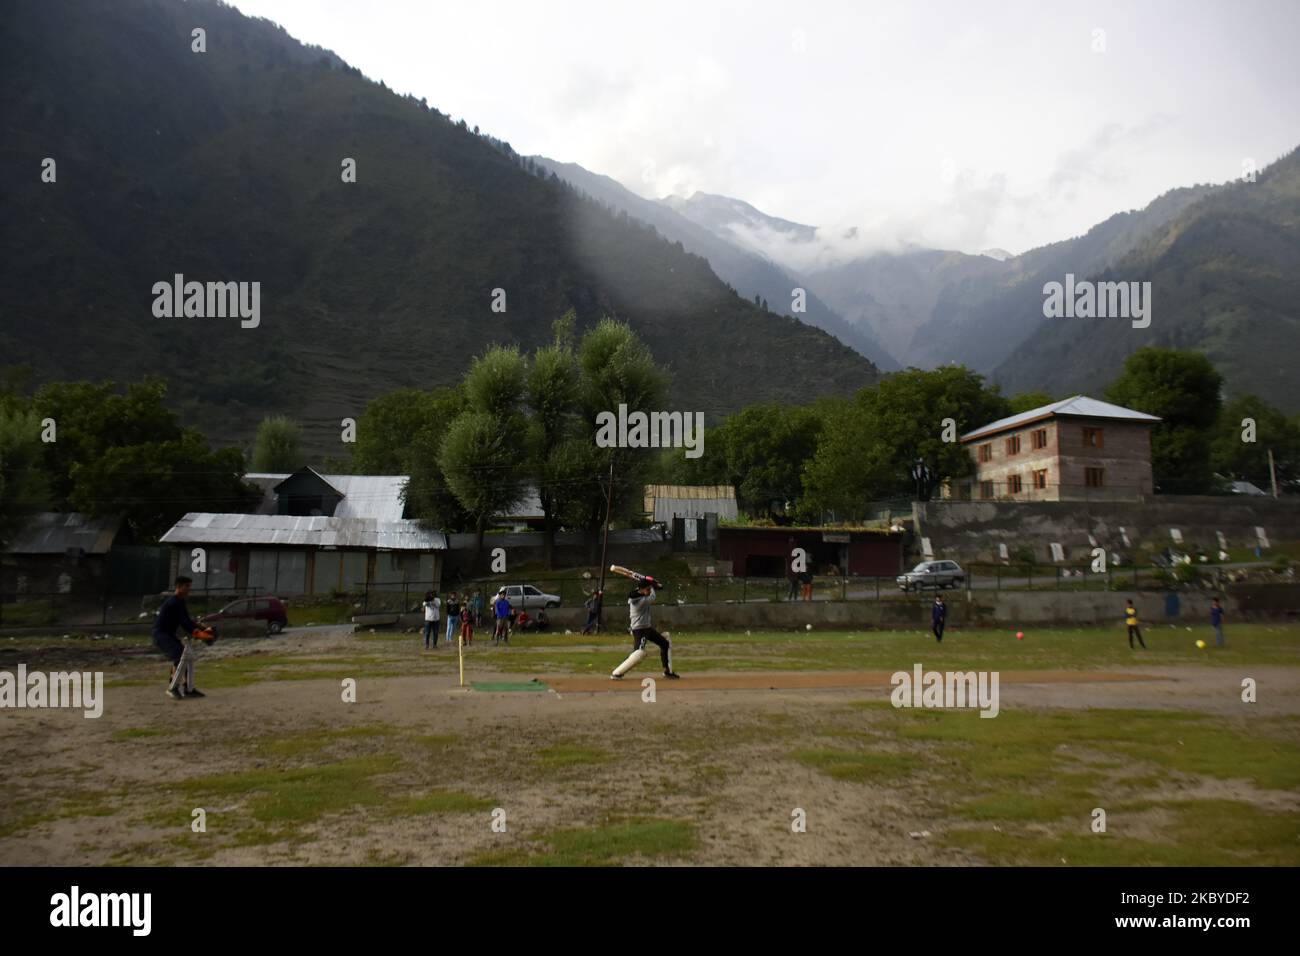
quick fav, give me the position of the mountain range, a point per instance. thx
(229, 165)
(1223, 261)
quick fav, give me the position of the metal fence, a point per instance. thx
(62, 609)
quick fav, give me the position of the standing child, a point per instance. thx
(502, 609)
(432, 608)
(467, 625)
(1216, 622)
(1131, 619)
(453, 617)
(938, 618)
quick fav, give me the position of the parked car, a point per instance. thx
(255, 615)
(932, 574)
(527, 596)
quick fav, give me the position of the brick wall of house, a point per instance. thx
(1005, 464)
(1124, 458)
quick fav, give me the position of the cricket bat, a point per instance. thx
(634, 575)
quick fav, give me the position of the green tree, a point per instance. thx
(387, 427)
(872, 445)
(485, 455)
(617, 368)
(1027, 401)
(123, 452)
(278, 446)
(428, 496)
(153, 484)
(1182, 387)
(761, 451)
(23, 488)
(560, 462)
(92, 418)
(1232, 456)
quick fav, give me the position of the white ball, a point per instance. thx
(807, 627)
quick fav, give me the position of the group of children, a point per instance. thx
(939, 618)
(463, 614)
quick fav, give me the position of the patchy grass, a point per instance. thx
(138, 733)
(296, 796)
(606, 845)
(864, 766)
(439, 801)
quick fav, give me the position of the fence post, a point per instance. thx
(877, 588)
(744, 589)
(706, 588)
(1058, 577)
(844, 588)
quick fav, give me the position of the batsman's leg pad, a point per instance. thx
(633, 659)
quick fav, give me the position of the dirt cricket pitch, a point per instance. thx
(764, 732)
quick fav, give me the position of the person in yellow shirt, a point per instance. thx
(1131, 618)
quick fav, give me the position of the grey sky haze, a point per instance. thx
(951, 124)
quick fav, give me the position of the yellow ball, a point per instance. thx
(1201, 645)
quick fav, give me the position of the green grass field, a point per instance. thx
(711, 782)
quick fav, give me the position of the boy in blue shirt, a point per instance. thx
(1216, 621)
(502, 609)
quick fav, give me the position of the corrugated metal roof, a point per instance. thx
(666, 502)
(50, 532)
(364, 496)
(1080, 406)
(317, 531)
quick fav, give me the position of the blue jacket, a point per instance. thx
(938, 612)
(1216, 616)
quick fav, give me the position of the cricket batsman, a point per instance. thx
(638, 603)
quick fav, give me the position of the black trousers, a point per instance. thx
(1134, 629)
(937, 627)
(643, 634)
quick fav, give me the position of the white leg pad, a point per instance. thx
(633, 659)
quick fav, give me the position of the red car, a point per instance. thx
(254, 615)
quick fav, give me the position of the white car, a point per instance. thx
(523, 596)
(932, 574)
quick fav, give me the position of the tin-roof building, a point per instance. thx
(1077, 449)
(312, 534)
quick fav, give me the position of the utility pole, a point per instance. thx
(604, 545)
(1272, 471)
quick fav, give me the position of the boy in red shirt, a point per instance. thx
(467, 625)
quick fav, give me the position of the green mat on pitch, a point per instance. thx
(508, 685)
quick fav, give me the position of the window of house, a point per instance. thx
(1038, 438)
(986, 452)
(1013, 484)
(1092, 438)
(1013, 445)
(1040, 478)
(1094, 477)
(986, 489)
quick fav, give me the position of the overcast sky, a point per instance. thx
(953, 123)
